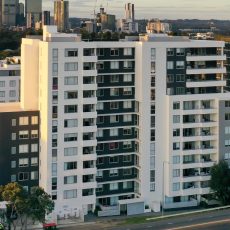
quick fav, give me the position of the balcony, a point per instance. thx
(205, 70)
(88, 136)
(89, 150)
(205, 57)
(88, 164)
(88, 178)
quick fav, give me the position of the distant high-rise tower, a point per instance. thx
(129, 12)
(46, 18)
(9, 12)
(61, 15)
(20, 18)
(33, 9)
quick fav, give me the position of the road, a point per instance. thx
(218, 220)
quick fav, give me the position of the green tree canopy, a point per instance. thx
(220, 182)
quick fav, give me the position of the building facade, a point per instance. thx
(10, 80)
(9, 12)
(126, 124)
(19, 145)
(61, 15)
(33, 11)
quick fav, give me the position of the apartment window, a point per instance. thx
(227, 103)
(114, 105)
(2, 93)
(55, 54)
(55, 69)
(180, 77)
(114, 92)
(71, 52)
(176, 145)
(13, 122)
(176, 132)
(114, 52)
(152, 175)
(227, 130)
(70, 194)
(71, 66)
(12, 93)
(128, 64)
(170, 65)
(34, 148)
(127, 144)
(127, 104)
(70, 179)
(114, 65)
(113, 172)
(227, 116)
(113, 145)
(180, 51)
(34, 175)
(176, 105)
(70, 165)
(100, 160)
(70, 108)
(71, 151)
(127, 118)
(100, 79)
(127, 131)
(153, 67)
(23, 120)
(54, 169)
(113, 186)
(113, 132)
(100, 106)
(176, 172)
(100, 52)
(68, 137)
(170, 78)
(71, 94)
(13, 164)
(128, 51)
(176, 186)
(127, 77)
(100, 120)
(13, 136)
(34, 134)
(13, 178)
(69, 123)
(34, 120)
(100, 92)
(153, 53)
(23, 148)
(227, 156)
(176, 159)
(227, 143)
(180, 64)
(100, 147)
(2, 83)
(176, 119)
(127, 171)
(71, 80)
(24, 134)
(34, 161)
(127, 158)
(22, 176)
(100, 65)
(127, 91)
(180, 90)
(12, 83)
(13, 150)
(170, 51)
(100, 132)
(114, 78)
(99, 174)
(114, 118)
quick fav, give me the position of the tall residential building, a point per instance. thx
(61, 15)
(156, 26)
(0, 13)
(9, 12)
(128, 124)
(128, 25)
(105, 21)
(33, 12)
(46, 18)
(129, 12)
(10, 79)
(20, 18)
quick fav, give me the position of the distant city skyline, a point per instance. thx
(165, 9)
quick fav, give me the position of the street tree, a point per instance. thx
(220, 182)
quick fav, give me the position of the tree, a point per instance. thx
(40, 204)
(220, 182)
(23, 204)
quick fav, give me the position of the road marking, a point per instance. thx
(199, 225)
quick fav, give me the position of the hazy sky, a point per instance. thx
(171, 9)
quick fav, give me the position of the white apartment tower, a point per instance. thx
(126, 124)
